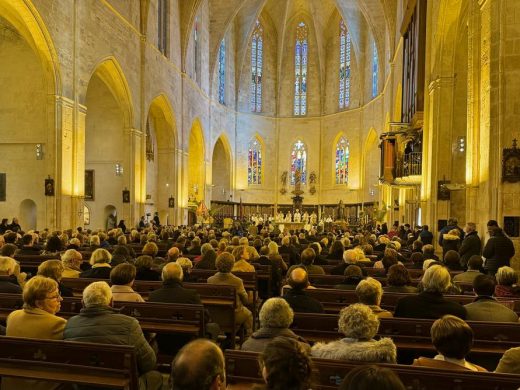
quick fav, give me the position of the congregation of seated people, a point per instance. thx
(367, 263)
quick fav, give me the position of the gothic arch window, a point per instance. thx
(375, 70)
(342, 158)
(254, 162)
(162, 26)
(299, 161)
(257, 60)
(222, 72)
(300, 70)
(345, 45)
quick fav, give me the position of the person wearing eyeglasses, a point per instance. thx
(38, 319)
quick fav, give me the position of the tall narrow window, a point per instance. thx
(222, 72)
(342, 157)
(162, 26)
(254, 163)
(344, 65)
(257, 59)
(300, 70)
(299, 162)
(196, 48)
(375, 70)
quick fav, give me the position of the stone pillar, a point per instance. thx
(133, 167)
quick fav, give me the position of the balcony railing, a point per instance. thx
(410, 165)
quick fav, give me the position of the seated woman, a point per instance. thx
(122, 279)
(71, 261)
(353, 275)
(398, 280)
(285, 364)
(275, 318)
(336, 251)
(242, 264)
(120, 255)
(53, 246)
(38, 319)
(186, 266)
(359, 325)
(507, 280)
(370, 293)
(144, 266)
(370, 377)
(54, 269)
(452, 338)
(207, 258)
(100, 261)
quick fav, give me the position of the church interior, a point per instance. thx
(341, 120)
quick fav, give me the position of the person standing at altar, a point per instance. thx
(288, 217)
(297, 216)
(305, 217)
(313, 218)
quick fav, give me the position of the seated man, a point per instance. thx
(353, 275)
(299, 301)
(452, 338)
(349, 258)
(8, 281)
(430, 303)
(485, 307)
(474, 265)
(224, 264)
(199, 365)
(370, 292)
(28, 247)
(99, 323)
(307, 261)
(510, 362)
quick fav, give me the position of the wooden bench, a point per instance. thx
(91, 364)
(242, 370)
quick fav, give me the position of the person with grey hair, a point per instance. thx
(100, 261)
(359, 325)
(71, 261)
(430, 303)
(224, 263)
(370, 293)
(471, 245)
(8, 282)
(349, 258)
(307, 261)
(172, 290)
(507, 283)
(275, 318)
(97, 322)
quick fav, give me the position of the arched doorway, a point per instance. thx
(28, 79)
(161, 182)
(28, 215)
(107, 143)
(221, 170)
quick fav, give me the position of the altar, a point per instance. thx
(291, 226)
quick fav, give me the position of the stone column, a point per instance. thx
(133, 166)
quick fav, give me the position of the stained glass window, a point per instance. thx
(344, 65)
(342, 157)
(375, 70)
(257, 59)
(196, 48)
(299, 161)
(222, 73)
(162, 26)
(254, 164)
(300, 70)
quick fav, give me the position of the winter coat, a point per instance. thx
(470, 246)
(102, 324)
(450, 242)
(263, 336)
(428, 305)
(498, 252)
(488, 309)
(372, 351)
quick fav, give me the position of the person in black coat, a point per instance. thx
(430, 303)
(173, 291)
(471, 245)
(498, 250)
(296, 296)
(100, 262)
(8, 281)
(452, 224)
(144, 266)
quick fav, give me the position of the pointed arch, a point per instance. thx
(196, 161)
(341, 153)
(111, 73)
(255, 167)
(221, 172)
(370, 144)
(161, 106)
(301, 61)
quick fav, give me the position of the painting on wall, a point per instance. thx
(89, 184)
(3, 187)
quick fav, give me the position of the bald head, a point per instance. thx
(173, 254)
(298, 279)
(199, 365)
(172, 272)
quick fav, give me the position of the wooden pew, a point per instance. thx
(242, 369)
(91, 364)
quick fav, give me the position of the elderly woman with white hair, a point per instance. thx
(359, 325)
(100, 261)
(430, 303)
(507, 283)
(275, 318)
(276, 257)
